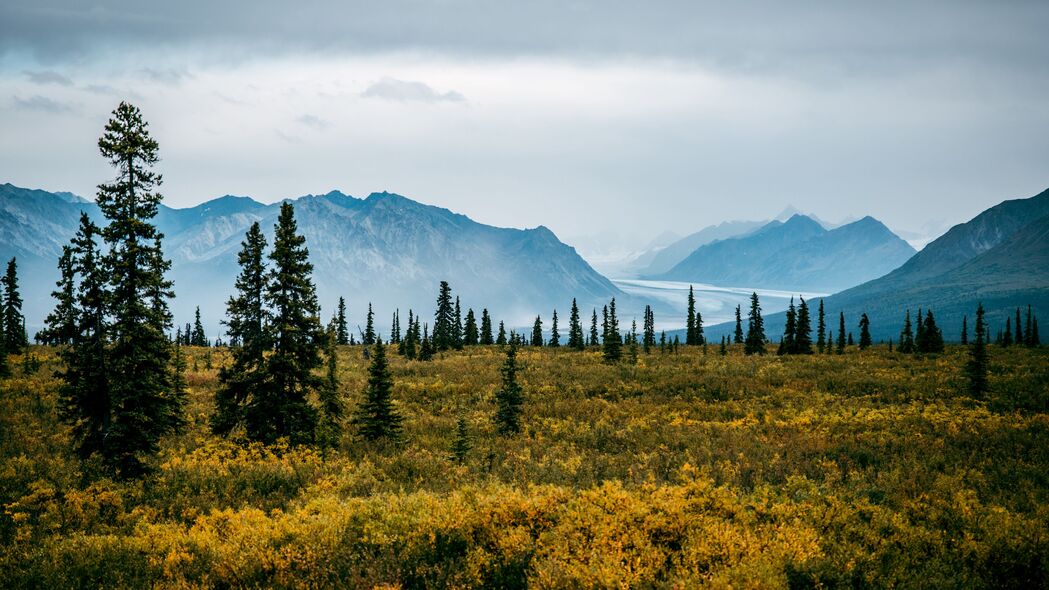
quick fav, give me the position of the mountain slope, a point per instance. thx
(798, 254)
(655, 262)
(386, 249)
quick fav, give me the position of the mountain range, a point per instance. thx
(385, 249)
(798, 254)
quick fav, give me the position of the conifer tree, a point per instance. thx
(329, 422)
(426, 348)
(280, 408)
(61, 323)
(632, 342)
(395, 327)
(737, 336)
(821, 329)
(555, 335)
(369, 327)
(575, 329)
(198, 338)
(509, 398)
(458, 327)
(932, 338)
(537, 332)
(408, 344)
(841, 333)
(786, 344)
(143, 406)
(246, 322)
(906, 345)
(462, 444)
(648, 339)
(755, 342)
(723, 351)
(1029, 329)
(803, 330)
(865, 332)
(701, 338)
(663, 341)
(690, 319)
(342, 329)
(1007, 338)
(850, 341)
(976, 368)
(919, 331)
(444, 319)
(604, 324)
(830, 342)
(501, 340)
(14, 322)
(593, 328)
(178, 371)
(613, 341)
(965, 330)
(1019, 329)
(471, 337)
(377, 418)
(187, 338)
(486, 328)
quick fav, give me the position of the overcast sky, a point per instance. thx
(586, 117)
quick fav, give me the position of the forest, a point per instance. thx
(463, 454)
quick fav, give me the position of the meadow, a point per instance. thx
(687, 469)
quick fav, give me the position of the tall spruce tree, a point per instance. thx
(377, 418)
(865, 332)
(329, 422)
(755, 341)
(61, 323)
(537, 332)
(444, 319)
(14, 322)
(976, 367)
(690, 319)
(737, 336)
(803, 329)
(198, 338)
(461, 445)
(821, 329)
(501, 339)
(395, 327)
(1029, 328)
(342, 328)
(1007, 337)
(790, 328)
(965, 330)
(247, 318)
(841, 333)
(932, 342)
(369, 327)
(1019, 329)
(471, 336)
(575, 329)
(458, 327)
(648, 339)
(613, 343)
(408, 344)
(142, 406)
(906, 345)
(426, 347)
(509, 398)
(593, 329)
(486, 328)
(280, 408)
(555, 335)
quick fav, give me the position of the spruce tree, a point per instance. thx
(701, 338)
(198, 338)
(329, 422)
(932, 341)
(755, 341)
(690, 319)
(786, 344)
(976, 367)
(537, 332)
(723, 351)
(803, 330)
(143, 405)
(501, 339)
(407, 346)
(648, 339)
(1007, 338)
(14, 322)
(965, 330)
(612, 346)
(509, 398)
(377, 418)
(906, 345)
(471, 336)
(61, 323)
(555, 336)
(593, 329)
(919, 332)
(1019, 329)
(426, 348)
(1029, 329)
(458, 327)
(575, 328)
(187, 338)
(821, 329)
(486, 328)
(841, 333)
(342, 329)
(737, 336)
(369, 327)
(395, 327)
(246, 323)
(462, 444)
(444, 319)
(280, 409)
(865, 332)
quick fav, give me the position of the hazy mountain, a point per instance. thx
(659, 260)
(386, 249)
(1000, 257)
(798, 254)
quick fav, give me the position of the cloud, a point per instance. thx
(167, 76)
(402, 90)
(47, 77)
(313, 121)
(41, 103)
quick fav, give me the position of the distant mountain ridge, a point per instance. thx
(797, 254)
(386, 249)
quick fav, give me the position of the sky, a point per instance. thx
(605, 121)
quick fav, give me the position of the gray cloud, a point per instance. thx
(47, 77)
(394, 89)
(41, 103)
(312, 121)
(168, 76)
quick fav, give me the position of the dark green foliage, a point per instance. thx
(61, 322)
(426, 348)
(841, 333)
(395, 327)
(575, 329)
(444, 319)
(486, 328)
(593, 329)
(737, 336)
(865, 332)
(537, 332)
(648, 339)
(690, 319)
(803, 330)
(906, 345)
(279, 408)
(786, 344)
(342, 329)
(14, 336)
(462, 443)
(613, 341)
(976, 368)
(965, 330)
(198, 338)
(246, 324)
(457, 335)
(369, 327)
(1019, 329)
(471, 337)
(723, 350)
(931, 341)
(377, 418)
(821, 329)
(329, 422)
(555, 336)
(755, 341)
(509, 398)
(408, 347)
(501, 340)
